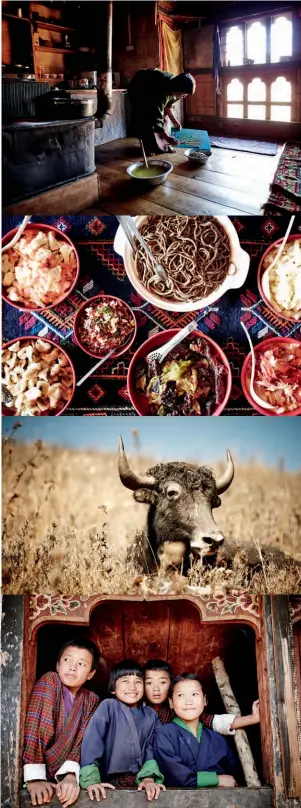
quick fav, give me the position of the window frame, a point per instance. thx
(243, 24)
(268, 77)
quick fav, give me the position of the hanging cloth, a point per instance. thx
(170, 45)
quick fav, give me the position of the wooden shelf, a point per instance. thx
(15, 17)
(50, 26)
(55, 50)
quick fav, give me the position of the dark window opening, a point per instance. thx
(168, 630)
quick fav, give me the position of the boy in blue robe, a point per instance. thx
(189, 754)
(158, 676)
(118, 743)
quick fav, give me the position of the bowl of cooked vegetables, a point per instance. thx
(41, 269)
(194, 379)
(104, 323)
(38, 377)
(201, 255)
(277, 376)
(154, 173)
(282, 290)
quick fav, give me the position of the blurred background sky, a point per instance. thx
(269, 439)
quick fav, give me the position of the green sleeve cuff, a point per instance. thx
(89, 776)
(206, 779)
(150, 769)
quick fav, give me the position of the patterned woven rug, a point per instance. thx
(105, 392)
(285, 190)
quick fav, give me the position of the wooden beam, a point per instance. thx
(240, 738)
(12, 654)
(288, 728)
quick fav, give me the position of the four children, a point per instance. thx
(151, 733)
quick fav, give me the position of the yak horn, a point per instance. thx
(226, 478)
(128, 476)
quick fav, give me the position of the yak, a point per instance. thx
(181, 497)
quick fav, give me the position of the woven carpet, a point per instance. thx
(255, 146)
(105, 392)
(285, 190)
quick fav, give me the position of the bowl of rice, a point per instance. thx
(41, 269)
(202, 257)
(284, 280)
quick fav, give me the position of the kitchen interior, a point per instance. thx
(66, 69)
(54, 54)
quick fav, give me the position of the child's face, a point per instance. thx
(188, 700)
(74, 667)
(157, 684)
(129, 689)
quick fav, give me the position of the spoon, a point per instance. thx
(101, 361)
(265, 282)
(129, 226)
(160, 353)
(17, 235)
(143, 152)
(262, 403)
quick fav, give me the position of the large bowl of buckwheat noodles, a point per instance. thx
(201, 255)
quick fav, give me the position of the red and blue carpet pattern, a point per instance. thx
(105, 392)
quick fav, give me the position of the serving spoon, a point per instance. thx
(265, 282)
(262, 403)
(17, 235)
(131, 230)
(98, 364)
(160, 353)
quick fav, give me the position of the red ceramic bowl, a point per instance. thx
(138, 399)
(261, 270)
(61, 237)
(10, 410)
(247, 365)
(78, 317)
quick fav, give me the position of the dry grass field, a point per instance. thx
(68, 522)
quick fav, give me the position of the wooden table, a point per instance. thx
(231, 182)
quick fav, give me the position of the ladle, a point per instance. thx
(143, 152)
(265, 282)
(17, 235)
(262, 403)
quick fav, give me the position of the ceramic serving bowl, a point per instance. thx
(138, 398)
(165, 166)
(124, 347)
(10, 410)
(34, 228)
(246, 373)
(262, 269)
(238, 257)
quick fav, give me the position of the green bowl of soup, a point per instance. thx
(155, 173)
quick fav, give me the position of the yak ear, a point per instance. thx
(145, 495)
(217, 502)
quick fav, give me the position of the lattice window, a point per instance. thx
(261, 99)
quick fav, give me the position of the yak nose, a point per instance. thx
(216, 538)
(198, 541)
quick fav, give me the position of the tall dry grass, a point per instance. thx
(68, 524)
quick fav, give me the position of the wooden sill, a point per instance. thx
(293, 65)
(184, 798)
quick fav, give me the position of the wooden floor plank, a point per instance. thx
(256, 188)
(231, 182)
(173, 193)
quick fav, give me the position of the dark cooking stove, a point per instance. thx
(39, 155)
